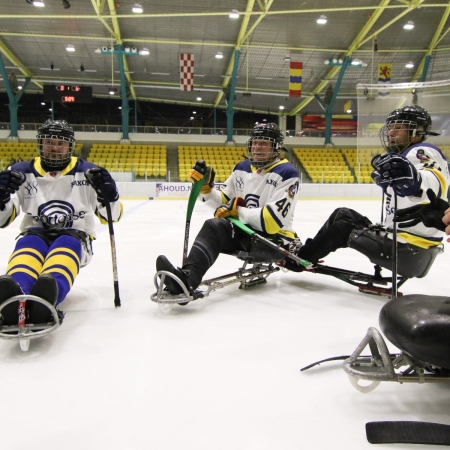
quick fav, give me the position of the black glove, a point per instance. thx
(202, 172)
(229, 209)
(10, 182)
(102, 182)
(430, 214)
(396, 171)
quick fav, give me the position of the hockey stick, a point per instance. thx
(113, 250)
(407, 432)
(195, 191)
(394, 251)
(249, 231)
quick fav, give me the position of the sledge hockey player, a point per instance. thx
(261, 192)
(408, 169)
(59, 195)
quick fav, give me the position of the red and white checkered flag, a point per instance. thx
(186, 71)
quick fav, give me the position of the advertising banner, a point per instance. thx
(177, 190)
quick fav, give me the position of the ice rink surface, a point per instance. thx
(221, 373)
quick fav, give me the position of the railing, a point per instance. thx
(176, 130)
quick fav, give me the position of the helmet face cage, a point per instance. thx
(413, 119)
(56, 130)
(265, 132)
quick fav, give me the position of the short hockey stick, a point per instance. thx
(195, 191)
(249, 231)
(407, 432)
(394, 251)
(113, 250)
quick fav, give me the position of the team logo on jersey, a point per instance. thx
(422, 156)
(252, 201)
(239, 183)
(57, 214)
(292, 190)
(31, 189)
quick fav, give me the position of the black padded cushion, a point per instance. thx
(419, 325)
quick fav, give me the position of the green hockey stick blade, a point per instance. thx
(195, 191)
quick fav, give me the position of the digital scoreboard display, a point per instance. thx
(66, 93)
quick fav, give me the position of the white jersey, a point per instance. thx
(56, 200)
(433, 168)
(270, 196)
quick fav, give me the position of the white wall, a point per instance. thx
(307, 190)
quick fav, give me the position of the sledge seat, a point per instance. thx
(419, 325)
(412, 261)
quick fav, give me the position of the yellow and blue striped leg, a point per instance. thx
(63, 263)
(25, 263)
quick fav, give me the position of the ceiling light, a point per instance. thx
(287, 58)
(42, 103)
(356, 62)
(137, 8)
(160, 73)
(322, 20)
(111, 91)
(39, 4)
(349, 111)
(281, 107)
(144, 51)
(199, 99)
(409, 25)
(219, 55)
(66, 4)
(70, 48)
(409, 65)
(234, 14)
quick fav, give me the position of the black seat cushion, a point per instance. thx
(419, 325)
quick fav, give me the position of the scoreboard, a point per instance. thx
(67, 93)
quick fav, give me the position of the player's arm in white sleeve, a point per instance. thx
(100, 210)
(10, 211)
(278, 211)
(216, 198)
(432, 177)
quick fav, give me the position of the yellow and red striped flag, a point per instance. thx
(295, 79)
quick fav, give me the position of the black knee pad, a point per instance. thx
(412, 261)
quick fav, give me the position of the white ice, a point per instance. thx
(220, 373)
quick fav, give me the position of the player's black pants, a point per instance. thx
(215, 237)
(347, 228)
(334, 234)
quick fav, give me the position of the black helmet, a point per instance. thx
(415, 119)
(269, 132)
(55, 129)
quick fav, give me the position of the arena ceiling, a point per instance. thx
(264, 39)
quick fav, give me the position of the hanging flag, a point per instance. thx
(384, 77)
(186, 71)
(295, 79)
